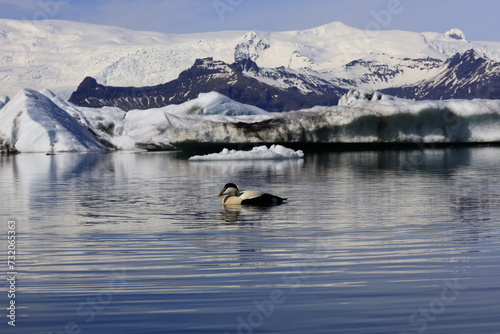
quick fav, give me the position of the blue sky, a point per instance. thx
(477, 18)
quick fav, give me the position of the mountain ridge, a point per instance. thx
(469, 75)
(58, 55)
(463, 76)
(209, 75)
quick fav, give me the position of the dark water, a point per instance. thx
(370, 242)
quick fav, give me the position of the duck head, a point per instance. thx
(230, 189)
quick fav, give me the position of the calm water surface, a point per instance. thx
(370, 242)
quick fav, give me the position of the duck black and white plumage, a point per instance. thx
(248, 197)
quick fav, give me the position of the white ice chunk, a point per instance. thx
(274, 152)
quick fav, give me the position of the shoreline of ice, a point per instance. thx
(42, 122)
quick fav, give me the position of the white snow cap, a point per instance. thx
(274, 152)
(455, 34)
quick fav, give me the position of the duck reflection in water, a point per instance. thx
(241, 214)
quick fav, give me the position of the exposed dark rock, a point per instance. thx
(208, 75)
(463, 76)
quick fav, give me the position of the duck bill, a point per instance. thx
(221, 192)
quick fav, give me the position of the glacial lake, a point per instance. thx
(385, 242)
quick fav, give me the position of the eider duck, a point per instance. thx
(248, 197)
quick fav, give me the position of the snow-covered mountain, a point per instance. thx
(463, 76)
(58, 55)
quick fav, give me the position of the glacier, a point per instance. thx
(43, 122)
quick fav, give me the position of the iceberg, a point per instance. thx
(151, 126)
(31, 122)
(42, 122)
(378, 121)
(274, 152)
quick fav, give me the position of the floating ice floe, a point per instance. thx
(274, 152)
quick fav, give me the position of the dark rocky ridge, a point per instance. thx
(204, 76)
(463, 76)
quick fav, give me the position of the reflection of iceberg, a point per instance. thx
(40, 184)
(238, 167)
